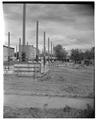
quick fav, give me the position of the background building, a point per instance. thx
(5, 53)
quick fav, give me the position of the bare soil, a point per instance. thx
(57, 82)
(66, 112)
(67, 81)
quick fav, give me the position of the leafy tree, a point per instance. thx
(90, 54)
(60, 53)
(76, 55)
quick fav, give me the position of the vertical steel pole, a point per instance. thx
(48, 48)
(24, 31)
(8, 49)
(51, 51)
(44, 49)
(16, 52)
(53, 54)
(19, 49)
(37, 23)
(24, 20)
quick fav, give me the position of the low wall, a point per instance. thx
(28, 69)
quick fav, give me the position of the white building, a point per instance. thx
(5, 52)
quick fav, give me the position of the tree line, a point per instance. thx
(77, 55)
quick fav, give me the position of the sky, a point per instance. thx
(71, 25)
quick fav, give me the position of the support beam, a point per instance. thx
(51, 51)
(24, 32)
(37, 23)
(48, 48)
(44, 50)
(16, 51)
(24, 21)
(9, 47)
(19, 49)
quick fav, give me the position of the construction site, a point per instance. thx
(41, 86)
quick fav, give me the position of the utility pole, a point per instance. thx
(37, 23)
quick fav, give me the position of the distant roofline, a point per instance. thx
(7, 46)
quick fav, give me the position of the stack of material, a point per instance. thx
(27, 69)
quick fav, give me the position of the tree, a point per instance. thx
(76, 55)
(90, 54)
(93, 52)
(60, 53)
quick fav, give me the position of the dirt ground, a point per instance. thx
(57, 82)
(66, 112)
(66, 81)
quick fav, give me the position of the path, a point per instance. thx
(45, 101)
